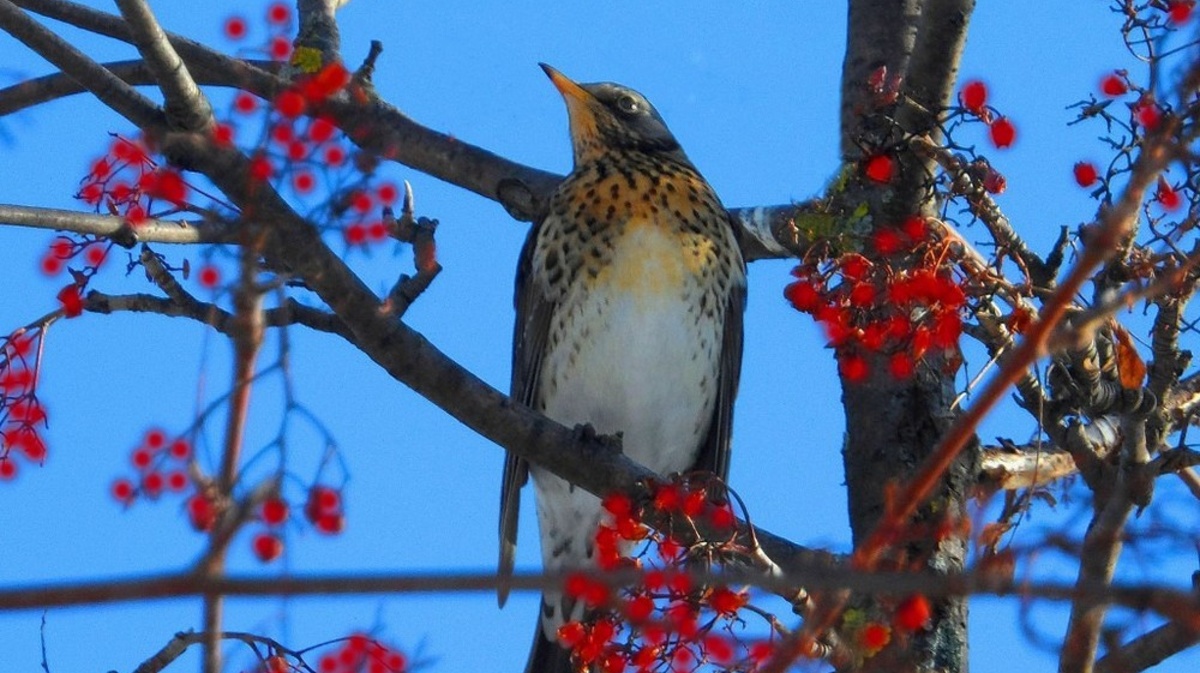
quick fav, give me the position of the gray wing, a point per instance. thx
(714, 452)
(529, 343)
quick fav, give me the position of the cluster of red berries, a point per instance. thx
(361, 653)
(22, 416)
(974, 99)
(300, 153)
(1145, 114)
(322, 509)
(908, 616)
(867, 307)
(159, 467)
(664, 620)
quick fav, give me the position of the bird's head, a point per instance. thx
(608, 117)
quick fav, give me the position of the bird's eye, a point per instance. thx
(628, 105)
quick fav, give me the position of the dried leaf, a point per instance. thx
(1130, 366)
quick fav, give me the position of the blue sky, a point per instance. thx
(750, 90)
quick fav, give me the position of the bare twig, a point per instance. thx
(118, 228)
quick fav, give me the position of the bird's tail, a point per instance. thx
(548, 656)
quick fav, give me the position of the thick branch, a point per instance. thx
(105, 86)
(933, 68)
(1170, 603)
(186, 107)
(1150, 649)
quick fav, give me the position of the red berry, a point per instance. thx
(804, 295)
(180, 449)
(122, 490)
(155, 439)
(718, 648)
(1167, 196)
(267, 547)
(261, 169)
(280, 48)
(201, 512)
(395, 662)
(71, 301)
(618, 504)
(853, 368)
(913, 613)
(1002, 133)
(321, 500)
(297, 150)
(355, 234)
(571, 634)
(335, 156)
(223, 135)
(51, 265)
(1085, 173)
(8, 469)
(320, 130)
(667, 498)
(974, 96)
(177, 481)
(886, 241)
(290, 103)
(722, 517)
(726, 602)
(95, 255)
(1148, 114)
(387, 194)
(153, 484)
(209, 276)
(282, 134)
(141, 458)
(875, 637)
(330, 524)
(1180, 11)
(235, 28)
(377, 231)
(901, 366)
(304, 182)
(245, 103)
(91, 193)
(274, 511)
(879, 168)
(1113, 85)
(278, 12)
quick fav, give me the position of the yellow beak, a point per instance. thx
(565, 85)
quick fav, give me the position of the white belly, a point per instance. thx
(648, 371)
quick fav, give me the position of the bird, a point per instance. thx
(629, 299)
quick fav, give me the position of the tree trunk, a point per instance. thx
(892, 425)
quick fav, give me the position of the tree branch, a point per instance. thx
(185, 106)
(105, 86)
(1149, 649)
(118, 228)
(1170, 603)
